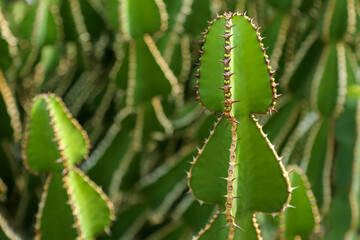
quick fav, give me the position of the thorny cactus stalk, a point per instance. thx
(55, 143)
(237, 167)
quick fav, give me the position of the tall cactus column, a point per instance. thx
(237, 168)
(72, 206)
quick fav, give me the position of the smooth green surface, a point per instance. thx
(56, 218)
(148, 85)
(5, 60)
(45, 27)
(317, 163)
(327, 91)
(345, 161)
(75, 148)
(41, 150)
(212, 164)
(93, 211)
(6, 130)
(139, 17)
(251, 81)
(132, 214)
(108, 161)
(339, 20)
(261, 185)
(157, 192)
(211, 68)
(299, 221)
(215, 231)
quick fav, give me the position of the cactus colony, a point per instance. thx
(270, 167)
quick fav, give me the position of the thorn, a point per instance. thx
(210, 22)
(223, 227)
(201, 52)
(235, 101)
(273, 217)
(291, 171)
(236, 121)
(107, 231)
(217, 16)
(227, 75)
(293, 188)
(228, 48)
(198, 64)
(220, 213)
(291, 206)
(205, 32)
(238, 227)
(197, 75)
(59, 160)
(65, 171)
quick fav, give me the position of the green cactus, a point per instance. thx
(238, 168)
(55, 143)
(125, 69)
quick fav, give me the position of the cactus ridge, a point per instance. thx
(228, 73)
(245, 94)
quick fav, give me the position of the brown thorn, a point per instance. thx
(223, 227)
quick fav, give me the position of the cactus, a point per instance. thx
(238, 168)
(304, 221)
(55, 143)
(125, 69)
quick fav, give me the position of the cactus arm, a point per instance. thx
(211, 230)
(134, 215)
(52, 125)
(39, 134)
(165, 184)
(339, 20)
(207, 187)
(329, 86)
(53, 205)
(9, 103)
(139, 88)
(244, 158)
(304, 220)
(251, 84)
(71, 136)
(319, 147)
(6, 232)
(89, 203)
(289, 112)
(168, 73)
(342, 205)
(139, 17)
(209, 78)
